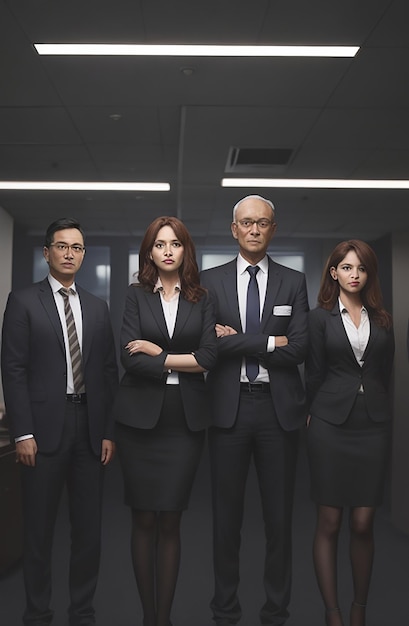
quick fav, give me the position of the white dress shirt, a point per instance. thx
(243, 279)
(77, 313)
(358, 336)
(170, 311)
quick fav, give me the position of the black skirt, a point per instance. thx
(159, 464)
(348, 462)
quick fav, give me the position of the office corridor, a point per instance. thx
(117, 602)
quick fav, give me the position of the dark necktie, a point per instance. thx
(74, 346)
(252, 318)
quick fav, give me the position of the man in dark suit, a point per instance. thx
(59, 377)
(258, 405)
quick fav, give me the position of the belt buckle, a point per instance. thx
(76, 398)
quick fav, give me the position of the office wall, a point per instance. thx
(6, 249)
(400, 450)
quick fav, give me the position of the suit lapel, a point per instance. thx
(338, 328)
(47, 300)
(229, 282)
(87, 322)
(373, 336)
(184, 310)
(273, 285)
(155, 305)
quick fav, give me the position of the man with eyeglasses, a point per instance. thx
(59, 377)
(258, 406)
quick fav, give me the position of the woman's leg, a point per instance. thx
(325, 549)
(143, 540)
(361, 553)
(167, 563)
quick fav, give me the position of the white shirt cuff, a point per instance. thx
(271, 344)
(23, 437)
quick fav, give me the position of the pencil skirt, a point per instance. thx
(348, 462)
(159, 464)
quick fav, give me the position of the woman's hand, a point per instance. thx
(281, 340)
(141, 345)
(223, 331)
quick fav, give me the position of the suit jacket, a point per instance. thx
(34, 367)
(333, 375)
(284, 313)
(143, 386)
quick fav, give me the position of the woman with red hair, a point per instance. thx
(168, 341)
(347, 374)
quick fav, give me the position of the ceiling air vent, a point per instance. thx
(242, 160)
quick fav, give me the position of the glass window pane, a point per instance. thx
(213, 260)
(294, 261)
(133, 266)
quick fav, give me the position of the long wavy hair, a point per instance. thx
(371, 293)
(188, 272)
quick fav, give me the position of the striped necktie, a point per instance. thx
(73, 343)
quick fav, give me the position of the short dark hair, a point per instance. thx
(61, 224)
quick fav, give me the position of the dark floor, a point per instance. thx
(117, 602)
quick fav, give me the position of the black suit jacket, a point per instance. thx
(333, 375)
(285, 288)
(142, 388)
(34, 369)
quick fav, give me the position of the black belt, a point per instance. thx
(77, 398)
(255, 387)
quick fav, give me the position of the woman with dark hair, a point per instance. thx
(168, 341)
(347, 374)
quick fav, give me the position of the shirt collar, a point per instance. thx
(242, 264)
(343, 308)
(56, 285)
(159, 287)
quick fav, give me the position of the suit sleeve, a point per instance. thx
(316, 362)
(110, 372)
(138, 363)
(206, 353)
(388, 357)
(294, 353)
(15, 359)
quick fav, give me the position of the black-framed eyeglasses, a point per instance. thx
(262, 223)
(64, 247)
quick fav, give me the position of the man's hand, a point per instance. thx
(281, 340)
(223, 331)
(107, 451)
(26, 451)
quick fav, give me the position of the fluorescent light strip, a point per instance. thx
(81, 186)
(315, 183)
(194, 50)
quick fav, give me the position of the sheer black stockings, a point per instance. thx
(155, 548)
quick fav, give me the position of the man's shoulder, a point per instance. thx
(29, 290)
(84, 294)
(219, 270)
(285, 270)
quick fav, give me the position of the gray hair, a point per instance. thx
(257, 197)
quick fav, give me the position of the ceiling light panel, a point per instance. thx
(194, 50)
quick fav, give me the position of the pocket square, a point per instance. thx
(283, 309)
